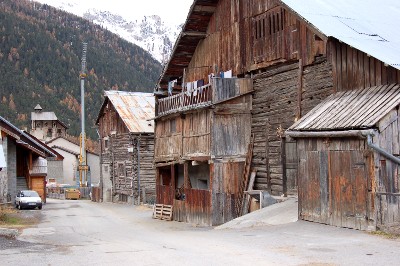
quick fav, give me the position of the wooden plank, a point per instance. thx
(324, 186)
(246, 206)
(335, 191)
(390, 99)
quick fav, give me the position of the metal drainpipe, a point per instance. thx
(381, 151)
(101, 165)
(138, 156)
(112, 169)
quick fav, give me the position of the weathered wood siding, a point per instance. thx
(196, 134)
(228, 88)
(317, 84)
(250, 35)
(388, 181)
(225, 185)
(195, 209)
(147, 168)
(123, 165)
(168, 139)
(274, 110)
(336, 182)
(110, 121)
(231, 128)
(282, 94)
(165, 195)
(353, 69)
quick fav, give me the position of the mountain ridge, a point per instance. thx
(150, 32)
(40, 54)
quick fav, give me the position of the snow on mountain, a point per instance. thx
(148, 32)
(151, 32)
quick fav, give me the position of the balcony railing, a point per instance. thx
(201, 96)
(220, 89)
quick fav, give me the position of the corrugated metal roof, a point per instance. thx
(370, 26)
(136, 109)
(355, 109)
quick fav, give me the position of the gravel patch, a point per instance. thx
(9, 243)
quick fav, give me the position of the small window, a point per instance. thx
(59, 132)
(49, 132)
(173, 125)
(105, 143)
(105, 168)
(121, 170)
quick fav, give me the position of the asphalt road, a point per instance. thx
(87, 233)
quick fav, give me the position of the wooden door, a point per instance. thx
(38, 185)
(333, 188)
(290, 167)
(349, 192)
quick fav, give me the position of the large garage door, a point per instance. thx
(37, 184)
(333, 188)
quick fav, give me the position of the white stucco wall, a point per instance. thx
(94, 164)
(69, 166)
(70, 161)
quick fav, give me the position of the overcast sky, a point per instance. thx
(172, 11)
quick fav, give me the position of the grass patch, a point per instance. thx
(9, 217)
(8, 220)
(385, 234)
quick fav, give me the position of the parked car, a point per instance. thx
(28, 199)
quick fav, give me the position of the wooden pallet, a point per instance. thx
(162, 212)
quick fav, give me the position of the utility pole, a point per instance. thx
(83, 167)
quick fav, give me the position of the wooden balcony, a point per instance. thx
(183, 101)
(220, 89)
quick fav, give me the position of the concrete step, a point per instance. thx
(21, 183)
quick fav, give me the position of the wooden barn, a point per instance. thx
(24, 164)
(127, 147)
(202, 140)
(349, 150)
(296, 53)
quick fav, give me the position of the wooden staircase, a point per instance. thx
(21, 183)
(245, 178)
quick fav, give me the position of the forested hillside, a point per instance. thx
(40, 53)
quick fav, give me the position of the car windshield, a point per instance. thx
(29, 194)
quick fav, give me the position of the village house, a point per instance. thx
(23, 162)
(295, 54)
(68, 173)
(126, 132)
(46, 127)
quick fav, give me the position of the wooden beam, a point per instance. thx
(299, 89)
(172, 182)
(330, 134)
(207, 9)
(193, 34)
(186, 178)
